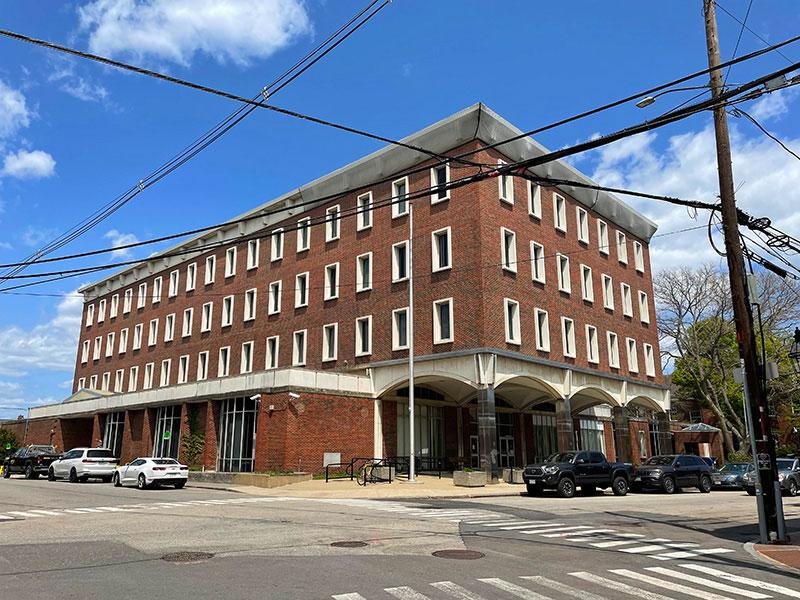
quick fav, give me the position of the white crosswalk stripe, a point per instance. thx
(20, 513)
(563, 588)
(405, 593)
(573, 533)
(619, 586)
(456, 591)
(554, 529)
(670, 585)
(643, 549)
(514, 589)
(348, 597)
(45, 512)
(770, 587)
(529, 525)
(722, 587)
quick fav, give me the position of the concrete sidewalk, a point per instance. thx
(427, 487)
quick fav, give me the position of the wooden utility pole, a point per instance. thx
(742, 311)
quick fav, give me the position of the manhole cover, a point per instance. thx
(350, 544)
(187, 557)
(459, 554)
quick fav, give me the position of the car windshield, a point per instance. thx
(784, 464)
(46, 449)
(734, 468)
(165, 461)
(561, 457)
(660, 460)
(99, 454)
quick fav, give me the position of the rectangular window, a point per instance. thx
(649, 361)
(246, 360)
(299, 348)
(188, 322)
(191, 277)
(564, 281)
(330, 344)
(148, 376)
(602, 236)
(106, 381)
(644, 308)
(230, 262)
(272, 352)
(537, 262)
(583, 224)
(142, 297)
(560, 212)
(542, 330)
(364, 336)
(301, 290)
(443, 321)
(169, 327)
(331, 282)
(638, 256)
(93, 382)
(587, 284)
(275, 297)
(152, 336)
(508, 250)
(250, 304)
(608, 292)
(633, 357)
(440, 250)
(505, 185)
(304, 234)
(127, 301)
(276, 245)
(568, 337)
(98, 348)
(157, 290)
(400, 261)
(253, 251)
(400, 197)
(85, 352)
(627, 301)
(110, 345)
(113, 311)
(400, 329)
(202, 366)
(364, 272)
(534, 200)
(206, 317)
(364, 205)
(89, 315)
(224, 362)
(174, 280)
(211, 268)
(227, 311)
(133, 379)
(513, 334)
(440, 177)
(613, 349)
(166, 366)
(622, 248)
(101, 311)
(183, 369)
(592, 345)
(137, 336)
(123, 341)
(332, 223)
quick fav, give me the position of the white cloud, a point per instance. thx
(34, 236)
(176, 30)
(14, 112)
(77, 86)
(28, 164)
(6, 246)
(120, 239)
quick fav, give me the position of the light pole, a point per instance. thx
(411, 466)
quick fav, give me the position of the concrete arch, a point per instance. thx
(525, 391)
(451, 385)
(589, 396)
(646, 402)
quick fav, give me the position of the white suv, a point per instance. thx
(79, 464)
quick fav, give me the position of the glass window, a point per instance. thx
(299, 349)
(275, 297)
(167, 432)
(276, 245)
(364, 272)
(512, 321)
(332, 220)
(211, 267)
(400, 197)
(622, 248)
(304, 234)
(568, 336)
(253, 247)
(537, 262)
(250, 304)
(112, 435)
(443, 321)
(227, 311)
(364, 336)
(542, 331)
(592, 435)
(508, 249)
(272, 352)
(440, 251)
(246, 360)
(301, 290)
(400, 261)
(330, 334)
(505, 184)
(332, 281)
(602, 236)
(440, 177)
(400, 329)
(560, 212)
(534, 200)
(564, 282)
(364, 205)
(237, 433)
(428, 431)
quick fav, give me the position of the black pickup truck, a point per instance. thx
(565, 471)
(32, 461)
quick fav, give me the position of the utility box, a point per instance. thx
(331, 458)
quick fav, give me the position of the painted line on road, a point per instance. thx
(573, 533)
(643, 549)
(563, 588)
(619, 586)
(513, 589)
(50, 513)
(713, 551)
(352, 596)
(770, 587)
(670, 585)
(554, 529)
(722, 587)
(530, 525)
(23, 514)
(405, 593)
(674, 555)
(456, 591)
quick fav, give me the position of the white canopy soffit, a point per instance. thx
(476, 122)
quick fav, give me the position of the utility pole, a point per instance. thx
(742, 311)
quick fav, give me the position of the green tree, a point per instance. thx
(7, 437)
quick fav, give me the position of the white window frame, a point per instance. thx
(101, 311)
(301, 293)
(127, 301)
(396, 204)
(330, 345)
(272, 353)
(396, 345)
(508, 180)
(97, 350)
(508, 252)
(359, 338)
(169, 327)
(582, 224)
(297, 359)
(644, 308)
(158, 284)
(587, 284)
(106, 381)
(304, 234)
(364, 212)
(560, 212)
(110, 343)
(535, 200)
(622, 248)
(438, 338)
(435, 250)
(602, 237)
(191, 277)
(133, 378)
(187, 324)
(149, 369)
(638, 256)
(85, 347)
(361, 259)
(210, 273)
(230, 262)
(633, 355)
(435, 183)
(396, 278)
(276, 245)
(333, 225)
(123, 341)
(542, 328)
(331, 282)
(250, 304)
(165, 373)
(627, 299)
(141, 299)
(228, 306)
(537, 262)
(275, 293)
(81, 383)
(568, 337)
(113, 309)
(512, 327)
(207, 317)
(93, 382)
(224, 366)
(612, 340)
(649, 361)
(152, 332)
(90, 315)
(592, 345)
(183, 369)
(608, 291)
(138, 335)
(202, 365)
(246, 358)
(174, 283)
(253, 253)
(564, 276)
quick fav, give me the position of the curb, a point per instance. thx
(750, 549)
(208, 487)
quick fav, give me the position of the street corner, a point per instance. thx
(786, 556)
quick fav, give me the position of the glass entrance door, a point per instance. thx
(237, 435)
(507, 452)
(166, 437)
(112, 437)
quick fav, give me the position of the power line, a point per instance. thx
(744, 26)
(739, 39)
(738, 112)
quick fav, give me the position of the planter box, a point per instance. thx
(469, 478)
(253, 479)
(513, 475)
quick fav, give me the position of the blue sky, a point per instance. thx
(74, 134)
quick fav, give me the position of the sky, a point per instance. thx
(74, 134)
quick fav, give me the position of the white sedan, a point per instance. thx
(144, 472)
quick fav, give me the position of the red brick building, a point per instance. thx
(282, 338)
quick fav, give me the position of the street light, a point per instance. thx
(648, 100)
(794, 351)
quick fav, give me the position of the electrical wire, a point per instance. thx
(744, 26)
(738, 112)
(738, 39)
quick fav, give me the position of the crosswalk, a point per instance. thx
(688, 580)
(602, 538)
(38, 513)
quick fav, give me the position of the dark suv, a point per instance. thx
(32, 461)
(564, 471)
(671, 472)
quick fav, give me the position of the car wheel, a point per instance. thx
(28, 471)
(115, 479)
(566, 487)
(141, 483)
(669, 485)
(6, 472)
(179, 484)
(705, 484)
(51, 475)
(791, 489)
(619, 486)
(533, 489)
(73, 476)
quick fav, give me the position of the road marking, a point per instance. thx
(771, 587)
(5, 518)
(564, 588)
(23, 514)
(672, 555)
(502, 523)
(529, 525)
(675, 587)
(110, 509)
(554, 529)
(706, 582)
(619, 586)
(45, 512)
(683, 545)
(571, 533)
(405, 593)
(614, 543)
(456, 591)
(713, 551)
(514, 589)
(642, 549)
(352, 596)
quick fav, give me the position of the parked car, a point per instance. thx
(32, 461)
(671, 472)
(729, 477)
(144, 472)
(565, 471)
(788, 477)
(81, 464)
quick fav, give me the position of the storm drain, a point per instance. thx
(459, 554)
(187, 557)
(349, 544)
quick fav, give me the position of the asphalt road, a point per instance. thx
(61, 540)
